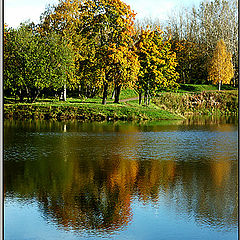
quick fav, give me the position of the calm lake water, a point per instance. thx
(153, 180)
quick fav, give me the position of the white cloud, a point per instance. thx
(151, 8)
(16, 11)
(158, 8)
(14, 16)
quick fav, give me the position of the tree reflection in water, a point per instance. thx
(88, 181)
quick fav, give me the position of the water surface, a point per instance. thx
(153, 180)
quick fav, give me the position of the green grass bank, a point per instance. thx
(86, 111)
(189, 100)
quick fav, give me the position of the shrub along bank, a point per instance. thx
(215, 102)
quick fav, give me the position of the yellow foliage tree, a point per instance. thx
(220, 69)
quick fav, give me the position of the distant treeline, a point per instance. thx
(97, 47)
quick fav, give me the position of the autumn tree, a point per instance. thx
(221, 68)
(203, 26)
(125, 68)
(157, 64)
(219, 20)
(112, 29)
(101, 34)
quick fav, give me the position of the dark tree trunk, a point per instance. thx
(36, 96)
(146, 98)
(105, 91)
(149, 99)
(20, 95)
(117, 93)
(140, 98)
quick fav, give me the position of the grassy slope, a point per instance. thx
(128, 93)
(162, 107)
(201, 88)
(92, 111)
(88, 109)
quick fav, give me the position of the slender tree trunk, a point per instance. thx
(28, 93)
(117, 93)
(93, 92)
(64, 92)
(219, 85)
(79, 90)
(113, 94)
(146, 98)
(20, 95)
(105, 90)
(34, 99)
(140, 98)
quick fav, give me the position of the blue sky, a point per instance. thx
(16, 11)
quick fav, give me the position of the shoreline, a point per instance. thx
(166, 106)
(86, 112)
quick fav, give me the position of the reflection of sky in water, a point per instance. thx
(188, 145)
(162, 221)
(33, 223)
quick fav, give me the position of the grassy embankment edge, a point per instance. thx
(86, 111)
(167, 106)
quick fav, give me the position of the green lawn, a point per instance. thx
(92, 109)
(202, 87)
(128, 93)
(87, 110)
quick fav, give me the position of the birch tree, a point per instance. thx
(221, 68)
(219, 20)
(204, 26)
